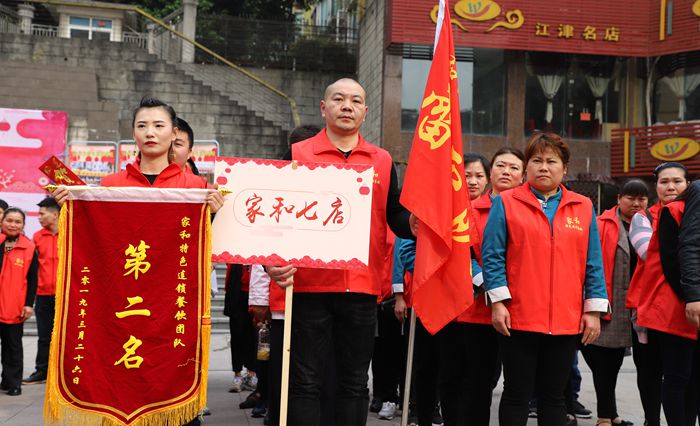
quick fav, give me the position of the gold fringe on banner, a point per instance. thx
(59, 411)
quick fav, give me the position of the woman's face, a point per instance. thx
(12, 224)
(153, 132)
(476, 179)
(631, 204)
(670, 183)
(545, 171)
(506, 173)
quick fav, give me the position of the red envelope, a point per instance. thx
(60, 173)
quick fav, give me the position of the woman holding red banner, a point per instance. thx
(541, 258)
(19, 267)
(469, 355)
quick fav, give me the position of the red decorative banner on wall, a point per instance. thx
(131, 336)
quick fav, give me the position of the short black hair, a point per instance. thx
(635, 188)
(50, 203)
(509, 150)
(303, 132)
(3, 204)
(670, 165)
(473, 157)
(148, 102)
(14, 210)
(185, 127)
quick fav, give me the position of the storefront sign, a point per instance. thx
(675, 149)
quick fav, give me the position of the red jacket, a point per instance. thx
(609, 230)
(659, 308)
(386, 291)
(46, 244)
(478, 312)
(633, 292)
(171, 177)
(546, 267)
(13, 279)
(369, 281)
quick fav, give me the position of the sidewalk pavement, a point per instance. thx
(27, 409)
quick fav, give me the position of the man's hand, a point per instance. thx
(692, 313)
(60, 194)
(215, 200)
(260, 314)
(413, 222)
(27, 312)
(282, 275)
(500, 318)
(400, 308)
(590, 327)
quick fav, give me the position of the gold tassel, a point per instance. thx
(206, 317)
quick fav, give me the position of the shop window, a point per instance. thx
(576, 96)
(677, 96)
(482, 81)
(90, 28)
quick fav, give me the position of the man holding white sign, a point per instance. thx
(335, 310)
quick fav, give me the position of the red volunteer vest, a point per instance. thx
(545, 267)
(47, 246)
(171, 177)
(320, 149)
(633, 292)
(659, 307)
(386, 291)
(478, 312)
(13, 279)
(609, 231)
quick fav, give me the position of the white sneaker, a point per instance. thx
(237, 384)
(250, 383)
(388, 411)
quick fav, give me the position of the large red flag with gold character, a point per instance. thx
(131, 336)
(435, 191)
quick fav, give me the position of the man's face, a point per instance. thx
(181, 148)
(344, 107)
(47, 217)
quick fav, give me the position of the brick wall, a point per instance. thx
(371, 67)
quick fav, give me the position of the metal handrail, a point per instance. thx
(128, 8)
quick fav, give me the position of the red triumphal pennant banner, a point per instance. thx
(435, 191)
(131, 335)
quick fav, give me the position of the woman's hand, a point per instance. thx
(27, 312)
(400, 308)
(60, 194)
(260, 314)
(590, 327)
(500, 318)
(282, 275)
(215, 200)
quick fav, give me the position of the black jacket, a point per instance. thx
(689, 246)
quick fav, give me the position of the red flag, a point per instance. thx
(435, 191)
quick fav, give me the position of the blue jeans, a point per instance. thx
(324, 325)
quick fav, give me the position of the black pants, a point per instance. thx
(387, 362)
(331, 325)
(12, 354)
(243, 332)
(647, 360)
(426, 370)
(605, 365)
(535, 361)
(44, 309)
(469, 361)
(678, 397)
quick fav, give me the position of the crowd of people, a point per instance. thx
(550, 278)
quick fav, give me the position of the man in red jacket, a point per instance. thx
(46, 241)
(335, 311)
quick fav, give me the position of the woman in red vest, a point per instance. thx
(543, 274)
(671, 180)
(19, 266)
(605, 356)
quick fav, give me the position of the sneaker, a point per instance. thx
(412, 418)
(617, 421)
(250, 383)
(375, 405)
(205, 412)
(35, 378)
(581, 412)
(571, 420)
(388, 411)
(437, 418)
(532, 409)
(259, 410)
(237, 384)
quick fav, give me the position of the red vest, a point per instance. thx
(320, 149)
(609, 230)
(478, 312)
(13, 279)
(47, 247)
(172, 176)
(386, 291)
(546, 267)
(659, 308)
(633, 292)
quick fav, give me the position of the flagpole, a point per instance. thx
(286, 353)
(409, 368)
